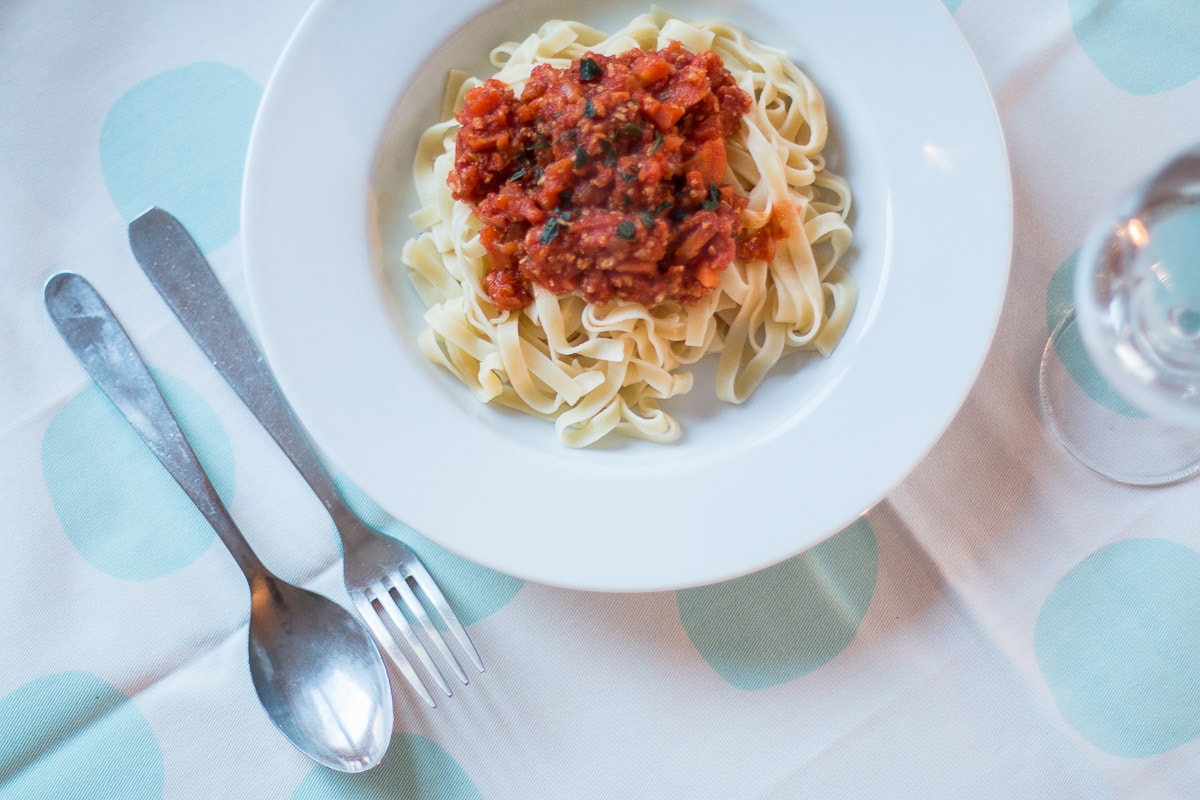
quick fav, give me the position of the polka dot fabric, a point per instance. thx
(1005, 624)
(96, 468)
(1117, 643)
(190, 160)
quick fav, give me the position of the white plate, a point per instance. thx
(326, 186)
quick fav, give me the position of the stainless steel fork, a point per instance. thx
(383, 575)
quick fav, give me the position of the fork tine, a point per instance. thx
(433, 634)
(391, 607)
(369, 614)
(429, 586)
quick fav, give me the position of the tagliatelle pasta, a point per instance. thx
(600, 369)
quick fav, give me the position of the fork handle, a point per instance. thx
(93, 333)
(181, 274)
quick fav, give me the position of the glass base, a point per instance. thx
(1101, 430)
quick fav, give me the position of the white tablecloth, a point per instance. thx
(1005, 624)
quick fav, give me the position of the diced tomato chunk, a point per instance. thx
(485, 99)
(663, 115)
(651, 68)
(709, 160)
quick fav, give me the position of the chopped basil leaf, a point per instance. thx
(550, 231)
(714, 198)
(610, 156)
(647, 220)
(658, 141)
(589, 110)
(581, 158)
(632, 130)
(626, 230)
(516, 176)
(589, 70)
(628, 177)
(663, 207)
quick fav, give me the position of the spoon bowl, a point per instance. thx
(318, 675)
(315, 668)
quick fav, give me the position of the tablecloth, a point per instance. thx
(1004, 624)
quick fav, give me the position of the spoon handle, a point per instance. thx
(100, 343)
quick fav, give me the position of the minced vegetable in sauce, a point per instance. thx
(607, 178)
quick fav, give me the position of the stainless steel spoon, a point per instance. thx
(317, 671)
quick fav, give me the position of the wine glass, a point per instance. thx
(1136, 417)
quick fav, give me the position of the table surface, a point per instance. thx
(1005, 624)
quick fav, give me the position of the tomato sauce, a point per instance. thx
(606, 178)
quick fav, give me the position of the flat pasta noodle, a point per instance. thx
(596, 371)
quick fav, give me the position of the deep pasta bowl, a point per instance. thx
(328, 190)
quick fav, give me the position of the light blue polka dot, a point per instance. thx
(775, 625)
(71, 735)
(1070, 348)
(415, 768)
(1118, 642)
(474, 592)
(178, 140)
(952, 5)
(1142, 46)
(118, 505)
